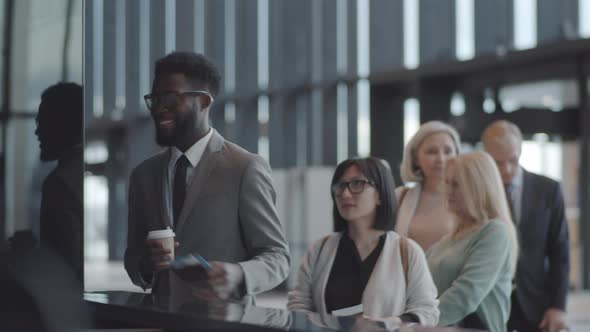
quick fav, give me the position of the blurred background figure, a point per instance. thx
(538, 211)
(474, 265)
(59, 130)
(423, 215)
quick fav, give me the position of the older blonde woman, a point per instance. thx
(473, 266)
(423, 215)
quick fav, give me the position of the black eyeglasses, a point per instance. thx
(172, 98)
(355, 186)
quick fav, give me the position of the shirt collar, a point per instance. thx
(194, 153)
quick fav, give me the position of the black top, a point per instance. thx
(349, 276)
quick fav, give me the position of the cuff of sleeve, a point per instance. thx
(558, 302)
(409, 318)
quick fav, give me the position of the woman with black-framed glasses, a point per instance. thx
(365, 268)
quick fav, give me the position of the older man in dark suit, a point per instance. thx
(537, 207)
(218, 197)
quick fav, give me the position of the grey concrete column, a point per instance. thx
(109, 57)
(494, 26)
(386, 34)
(247, 127)
(556, 20)
(116, 174)
(330, 127)
(352, 116)
(437, 30)
(387, 127)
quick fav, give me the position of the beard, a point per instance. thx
(164, 139)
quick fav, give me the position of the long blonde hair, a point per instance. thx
(483, 194)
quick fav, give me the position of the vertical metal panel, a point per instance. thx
(247, 124)
(296, 42)
(88, 65)
(275, 45)
(386, 34)
(387, 127)
(330, 127)
(246, 48)
(187, 19)
(437, 30)
(352, 37)
(109, 57)
(556, 20)
(132, 65)
(157, 31)
(353, 118)
(328, 39)
(215, 32)
(494, 26)
(282, 132)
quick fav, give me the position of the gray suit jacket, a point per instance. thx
(228, 215)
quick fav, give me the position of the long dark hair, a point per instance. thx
(378, 173)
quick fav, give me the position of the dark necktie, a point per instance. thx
(509, 188)
(179, 190)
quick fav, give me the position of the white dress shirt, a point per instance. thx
(193, 154)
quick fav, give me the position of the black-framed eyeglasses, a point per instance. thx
(355, 186)
(171, 98)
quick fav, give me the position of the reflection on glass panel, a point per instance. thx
(96, 201)
(554, 95)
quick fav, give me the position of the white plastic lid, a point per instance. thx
(162, 233)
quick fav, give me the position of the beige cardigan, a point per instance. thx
(386, 294)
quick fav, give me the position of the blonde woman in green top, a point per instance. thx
(473, 266)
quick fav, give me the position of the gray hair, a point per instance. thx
(409, 170)
(502, 132)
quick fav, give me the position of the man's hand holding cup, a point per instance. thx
(159, 250)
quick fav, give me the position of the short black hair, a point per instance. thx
(60, 101)
(377, 172)
(196, 67)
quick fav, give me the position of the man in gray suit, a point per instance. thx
(218, 197)
(537, 208)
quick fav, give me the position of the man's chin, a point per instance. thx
(164, 140)
(47, 156)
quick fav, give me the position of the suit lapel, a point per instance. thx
(207, 163)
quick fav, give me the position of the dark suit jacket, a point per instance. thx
(62, 211)
(542, 276)
(228, 215)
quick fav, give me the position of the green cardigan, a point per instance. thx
(474, 274)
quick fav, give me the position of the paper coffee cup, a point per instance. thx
(166, 237)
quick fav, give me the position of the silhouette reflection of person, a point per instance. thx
(59, 130)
